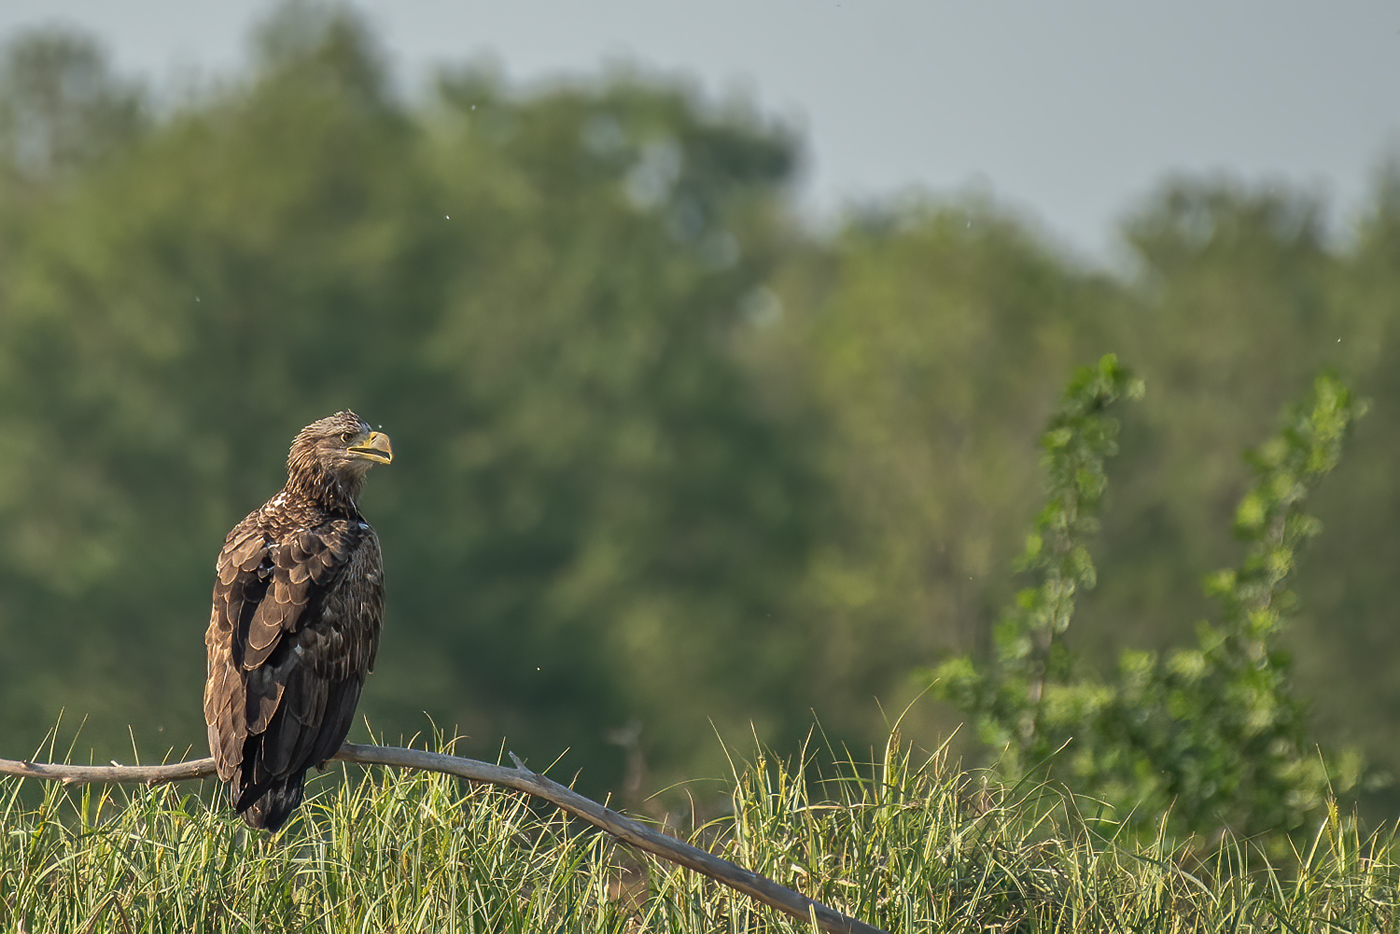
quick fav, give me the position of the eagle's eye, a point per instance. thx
(347, 436)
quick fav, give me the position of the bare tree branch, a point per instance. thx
(519, 778)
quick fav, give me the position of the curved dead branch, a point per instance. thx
(519, 778)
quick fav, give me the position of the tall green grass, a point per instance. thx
(909, 843)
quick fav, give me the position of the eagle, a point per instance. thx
(298, 599)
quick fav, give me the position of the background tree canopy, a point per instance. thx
(666, 458)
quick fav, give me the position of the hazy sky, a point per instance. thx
(1068, 110)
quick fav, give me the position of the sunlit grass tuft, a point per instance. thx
(909, 843)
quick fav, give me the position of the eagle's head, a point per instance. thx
(329, 458)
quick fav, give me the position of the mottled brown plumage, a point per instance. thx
(298, 596)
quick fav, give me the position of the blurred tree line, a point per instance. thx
(667, 462)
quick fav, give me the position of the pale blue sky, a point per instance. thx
(1069, 111)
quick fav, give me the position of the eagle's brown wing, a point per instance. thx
(293, 631)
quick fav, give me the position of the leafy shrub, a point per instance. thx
(1211, 734)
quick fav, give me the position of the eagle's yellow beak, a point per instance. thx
(374, 447)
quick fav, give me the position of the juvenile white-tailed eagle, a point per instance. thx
(294, 629)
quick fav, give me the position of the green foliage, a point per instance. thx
(1015, 701)
(1211, 735)
(907, 842)
(667, 455)
(925, 343)
(534, 297)
(61, 108)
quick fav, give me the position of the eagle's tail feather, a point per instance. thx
(268, 807)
